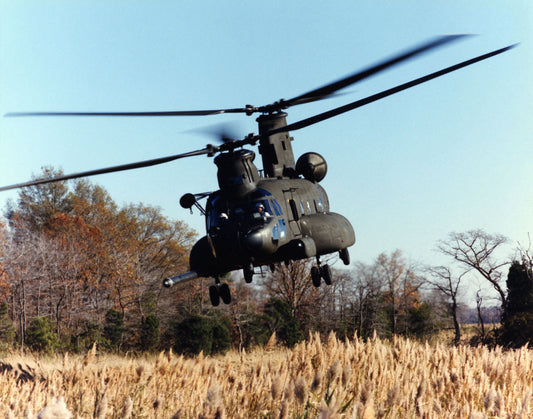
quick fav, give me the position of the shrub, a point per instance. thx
(198, 334)
(114, 328)
(7, 331)
(89, 333)
(278, 314)
(150, 333)
(517, 323)
(40, 335)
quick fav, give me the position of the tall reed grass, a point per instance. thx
(329, 379)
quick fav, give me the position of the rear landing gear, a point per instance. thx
(219, 291)
(325, 273)
(320, 272)
(345, 256)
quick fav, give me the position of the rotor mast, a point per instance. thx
(276, 149)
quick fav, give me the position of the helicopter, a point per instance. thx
(280, 213)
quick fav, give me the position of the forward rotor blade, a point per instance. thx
(146, 163)
(358, 103)
(328, 89)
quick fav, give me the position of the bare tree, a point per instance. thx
(475, 250)
(292, 283)
(367, 302)
(481, 322)
(526, 256)
(448, 284)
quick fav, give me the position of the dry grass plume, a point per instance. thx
(326, 379)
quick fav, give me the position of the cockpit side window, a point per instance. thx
(277, 208)
(217, 213)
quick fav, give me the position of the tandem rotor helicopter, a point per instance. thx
(277, 215)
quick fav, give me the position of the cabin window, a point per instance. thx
(319, 206)
(282, 228)
(302, 207)
(275, 232)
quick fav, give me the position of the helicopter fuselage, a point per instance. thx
(280, 220)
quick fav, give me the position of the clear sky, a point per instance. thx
(450, 155)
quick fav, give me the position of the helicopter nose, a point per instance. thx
(253, 241)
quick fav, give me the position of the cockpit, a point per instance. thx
(260, 208)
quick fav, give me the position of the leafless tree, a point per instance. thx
(481, 322)
(526, 256)
(292, 283)
(448, 284)
(475, 250)
(367, 287)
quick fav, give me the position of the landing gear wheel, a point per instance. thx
(214, 295)
(248, 271)
(315, 276)
(345, 256)
(325, 272)
(225, 293)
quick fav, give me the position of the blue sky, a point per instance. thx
(450, 155)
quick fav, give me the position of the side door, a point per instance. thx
(293, 215)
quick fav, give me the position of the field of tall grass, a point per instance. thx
(328, 379)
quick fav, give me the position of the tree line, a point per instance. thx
(75, 268)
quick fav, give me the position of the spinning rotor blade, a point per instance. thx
(228, 144)
(156, 113)
(313, 95)
(221, 132)
(328, 89)
(209, 149)
(361, 102)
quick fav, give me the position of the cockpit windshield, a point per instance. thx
(258, 210)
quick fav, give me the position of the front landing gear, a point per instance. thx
(219, 291)
(248, 271)
(320, 272)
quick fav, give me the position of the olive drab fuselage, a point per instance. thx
(295, 224)
(278, 215)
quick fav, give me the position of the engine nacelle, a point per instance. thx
(312, 166)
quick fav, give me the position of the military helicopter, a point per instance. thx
(281, 213)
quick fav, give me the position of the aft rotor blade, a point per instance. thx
(311, 96)
(146, 163)
(155, 113)
(328, 89)
(358, 103)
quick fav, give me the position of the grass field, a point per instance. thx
(328, 379)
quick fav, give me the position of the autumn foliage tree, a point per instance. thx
(75, 268)
(71, 255)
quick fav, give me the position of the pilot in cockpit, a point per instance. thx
(260, 210)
